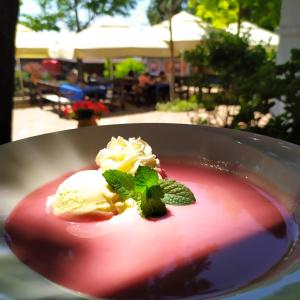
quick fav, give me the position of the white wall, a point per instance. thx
(289, 29)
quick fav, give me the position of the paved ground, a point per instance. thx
(34, 121)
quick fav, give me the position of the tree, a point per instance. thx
(218, 53)
(158, 11)
(126, 65)
(9, 14)
(76, 15)
(245, 75)
(220, 13)
(286, 125)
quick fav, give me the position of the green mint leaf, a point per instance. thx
(144, 178)
(150, 204)
(176, 193)
(121, 183)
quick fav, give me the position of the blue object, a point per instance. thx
(99, 91)
(73, 92)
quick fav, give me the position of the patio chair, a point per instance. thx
(51, 92)
(129, 90)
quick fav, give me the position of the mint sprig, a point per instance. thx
(122, 183)
(151, 205)
(144, 178)
(176, 193)
(149, 192)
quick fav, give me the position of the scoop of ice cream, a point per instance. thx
(87, 193)
(126, 155)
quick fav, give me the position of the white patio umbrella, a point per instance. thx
(63, 48)
(256, 34)
(109, 39)
(188, 30)
(31, 44)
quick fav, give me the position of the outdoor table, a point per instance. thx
(99, 91)
(78, 93)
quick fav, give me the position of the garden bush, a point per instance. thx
(18, 76)
(249, 78)
(287, 85)
(130, 64)
(239, 67)
(179, 105)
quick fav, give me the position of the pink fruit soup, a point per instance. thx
(232, 235)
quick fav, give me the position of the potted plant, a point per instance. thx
(86, 112)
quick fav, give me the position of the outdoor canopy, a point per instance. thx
(109, 39)
(256, 34)
(31, 44)
(188, 31)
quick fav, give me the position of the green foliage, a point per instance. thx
(148, 191)
(237, 65)
(18, 76)
(76, 15)
(160, 10)
(275, 82)
(127, 65)
(145, 178)
(287, 125)
(107, 69)
(152, 206)
(178, 105)
(289, 291)
(21, 74)
(121, 183)
(175, 193)
(143, 188)
(47, 22)
(248, 77)
(220, 13)
(266, 14)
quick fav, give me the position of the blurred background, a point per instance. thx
(223, 63)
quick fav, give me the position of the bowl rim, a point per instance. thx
(272, 286)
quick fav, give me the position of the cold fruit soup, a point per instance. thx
(233, 234)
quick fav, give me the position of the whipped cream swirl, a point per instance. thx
(126, 155)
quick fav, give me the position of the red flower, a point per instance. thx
(85, 109)
(67, 111)
(101, 107)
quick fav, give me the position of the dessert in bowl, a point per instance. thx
(234, 233)
(88, 193)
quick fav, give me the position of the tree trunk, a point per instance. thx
(239, 20)
(78, 27)
(9, 15)
(172, 58)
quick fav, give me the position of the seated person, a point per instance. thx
(129, 82)
(73, 77)
(72, 88)
(145, 80)
(162, 78)
(36, 73)
(95, 79)
(162, 87)
(146, 88)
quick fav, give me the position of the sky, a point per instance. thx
(137, 16)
